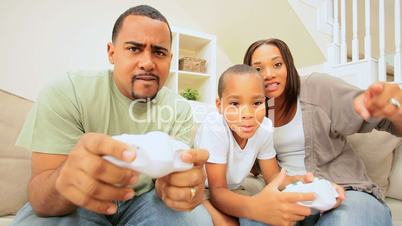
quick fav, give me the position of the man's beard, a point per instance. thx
(144, 98)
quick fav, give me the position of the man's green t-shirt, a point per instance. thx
(91, 102)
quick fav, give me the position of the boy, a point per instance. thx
(235, 137)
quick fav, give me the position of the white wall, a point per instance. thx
(43, 39)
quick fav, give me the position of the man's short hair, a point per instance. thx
(141, 10)
(238, 69)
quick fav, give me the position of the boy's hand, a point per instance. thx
(279, 208)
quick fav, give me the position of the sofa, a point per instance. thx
(381, 152)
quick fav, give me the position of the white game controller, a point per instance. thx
(157, 154)
(325, 193)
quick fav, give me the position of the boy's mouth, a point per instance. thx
(247, 128)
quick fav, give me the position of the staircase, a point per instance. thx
(361, 39)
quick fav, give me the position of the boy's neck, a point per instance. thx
(240, 141)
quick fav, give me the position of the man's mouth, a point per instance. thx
(146, 77)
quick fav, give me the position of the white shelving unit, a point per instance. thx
(199, 45)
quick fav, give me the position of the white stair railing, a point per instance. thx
(382, 68)
(397, 58)
(340, 41)
(367, 36)
(355, 41)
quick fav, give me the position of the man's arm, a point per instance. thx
(83, 178)
(43, 196)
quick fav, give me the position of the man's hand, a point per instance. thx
(183, 191)
(380, 100)
(279, 208)
(89, 181)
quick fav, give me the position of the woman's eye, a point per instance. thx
(257, 69)
(278, 65)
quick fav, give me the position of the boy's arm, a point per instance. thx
(270, 169)
(221, 197)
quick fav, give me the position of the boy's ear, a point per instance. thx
(218, 104)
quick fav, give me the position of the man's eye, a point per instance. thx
(258, 103)
(134, 49)
(160, 53)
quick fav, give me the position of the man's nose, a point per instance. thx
(146, 62)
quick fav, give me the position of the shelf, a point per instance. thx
(190, 73)
(193, 44)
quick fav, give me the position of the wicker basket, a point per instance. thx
(192, 64)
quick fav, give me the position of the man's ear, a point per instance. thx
(218, 104)
(110, 52)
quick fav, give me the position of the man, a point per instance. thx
(70, 126)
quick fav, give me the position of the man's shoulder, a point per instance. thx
(167, 97)
(89, 79)
(75, 86)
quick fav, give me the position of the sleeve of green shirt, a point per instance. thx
(53, 125)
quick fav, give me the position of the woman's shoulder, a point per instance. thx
(321, 86)
(320, 79)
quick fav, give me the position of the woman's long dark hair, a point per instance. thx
(292, 88)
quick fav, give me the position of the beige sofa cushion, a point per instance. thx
(377, 151)
(395, 185)
(15, 162)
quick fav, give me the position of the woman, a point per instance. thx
(313, 115)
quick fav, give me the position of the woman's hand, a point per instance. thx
(306, 178)
(380, 100)
(341, 195)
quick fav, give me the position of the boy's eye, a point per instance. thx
(258, 103)
(234, 103)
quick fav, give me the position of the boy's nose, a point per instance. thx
(247, 113)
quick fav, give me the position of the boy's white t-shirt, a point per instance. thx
(215, 136)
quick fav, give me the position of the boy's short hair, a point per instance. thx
(238, 69)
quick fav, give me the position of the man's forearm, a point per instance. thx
(45, 200)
